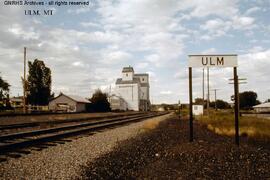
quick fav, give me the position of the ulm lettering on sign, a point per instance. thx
(212, 60)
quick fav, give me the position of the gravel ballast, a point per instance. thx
(166, 153)
(65, 160)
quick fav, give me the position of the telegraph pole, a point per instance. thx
(179, 108)
(110, 89)
(24, 84)
(215, 90)
(190, 106)
(236, 105)
(208, 91)
(236, 82)
(216, 99)
(203, 88)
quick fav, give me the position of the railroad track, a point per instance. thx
(38, 128)
(57, 122)
(17, 141)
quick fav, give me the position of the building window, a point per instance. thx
(142, 79)
(127, 74)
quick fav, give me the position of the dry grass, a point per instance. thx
(153, 123)
(223, 124)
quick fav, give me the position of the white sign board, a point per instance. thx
(212, 60)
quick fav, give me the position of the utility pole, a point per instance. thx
(190, 106)
(236, 82)
(236, 105)
(179, 108)
(216, 99)
(208, 91)
(203, 87)
(215, 90)
(24, 81)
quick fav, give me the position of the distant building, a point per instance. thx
(117, 103)
(134, 89)
(68, 103)
(157, 107)
(184, 105)
(265, 107)
(161, 108)
(16, 102)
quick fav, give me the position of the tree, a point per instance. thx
(266, 101)
(38, 83)
(99, 102)
(4, 89)
(220, 104)
(168, 107)
(248, 99)
(201, 101)
(4, 95)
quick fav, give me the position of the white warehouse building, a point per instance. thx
(134, 89)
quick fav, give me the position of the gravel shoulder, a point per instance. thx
(166, 153)
(64, 161)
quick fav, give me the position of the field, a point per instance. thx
(223, 123)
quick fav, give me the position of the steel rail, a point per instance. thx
(56, 129)
(34, 124)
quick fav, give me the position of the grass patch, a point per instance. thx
(223, 123)
(153, 123)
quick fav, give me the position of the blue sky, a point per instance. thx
(86, 47)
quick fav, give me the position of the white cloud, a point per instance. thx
(243, 22)
(90, 24)
(216, 25)
(214, 28)
(209, 51)
(166, 92)
(78, 64)
(137, 21)
(252, 10)
(141, 65)
(74, 36)
(255, 67)
(202, 8)
(116, 57)
(154, 59)
(256, 49)
(29, 34)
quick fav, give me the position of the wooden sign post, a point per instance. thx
(190, 106)
(208, 61)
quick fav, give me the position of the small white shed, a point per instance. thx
(68, 103)
(265, 107)
(197, 109)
